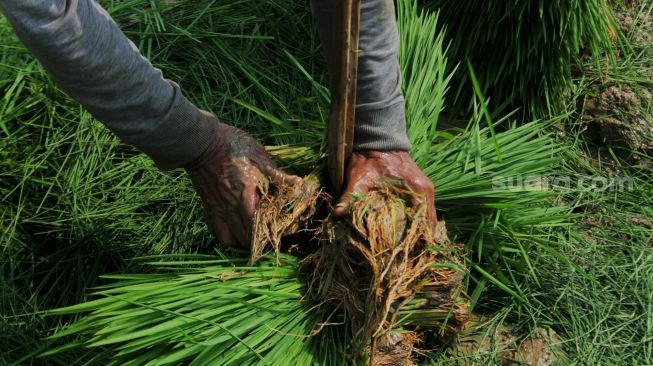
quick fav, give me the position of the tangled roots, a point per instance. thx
(374, 263)
(384, 265)
(283, 210)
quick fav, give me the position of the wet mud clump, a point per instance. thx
(395, 349)
(621, 116)
(480, 337)
(373, 263)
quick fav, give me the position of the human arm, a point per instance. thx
(380, 139)
(88, 56)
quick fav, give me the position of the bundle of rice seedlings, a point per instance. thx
(523, 52)
(373, 263)
(506, 206)
(200, 310)
(226, 312)
(435, 303)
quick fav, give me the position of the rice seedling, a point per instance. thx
(524, 52)
(502, 246)
(373, 263)
(201, 310)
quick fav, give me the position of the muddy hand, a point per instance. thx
(228, 176)
(369, 169)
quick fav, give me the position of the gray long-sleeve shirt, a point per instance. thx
(93, 61)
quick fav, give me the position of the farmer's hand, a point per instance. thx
(369, 169)
(227, 177)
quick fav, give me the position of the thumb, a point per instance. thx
(341, 209)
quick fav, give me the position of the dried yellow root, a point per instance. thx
(283, 210)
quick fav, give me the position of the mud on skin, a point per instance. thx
(228, 177)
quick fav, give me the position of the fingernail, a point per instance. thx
(340, 210)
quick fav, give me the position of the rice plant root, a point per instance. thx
(283, 210)
(377, 260)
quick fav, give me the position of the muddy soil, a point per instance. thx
(395, 349)
(543, 348)
(620, 115)
(634, 25)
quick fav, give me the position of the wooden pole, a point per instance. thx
(343, 90)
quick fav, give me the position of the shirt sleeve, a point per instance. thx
(95, 63)
(380, 113)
